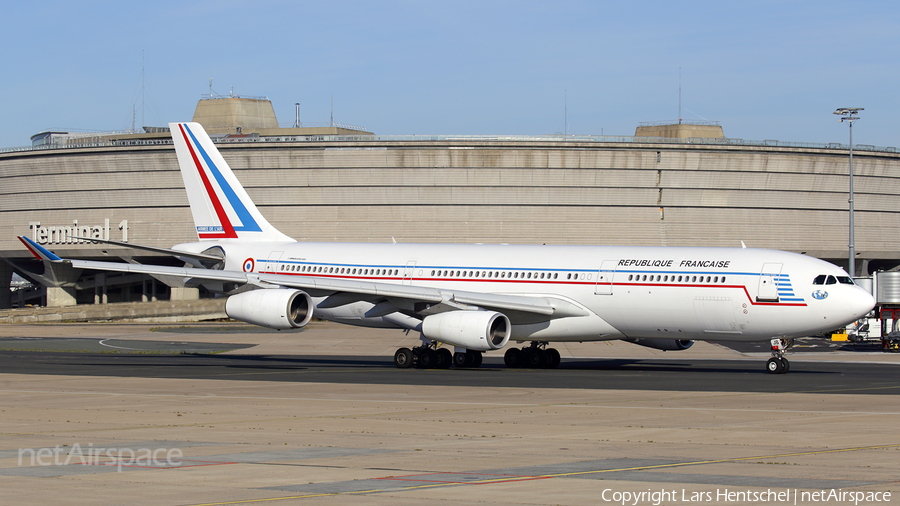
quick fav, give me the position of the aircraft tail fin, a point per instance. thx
(220, 205)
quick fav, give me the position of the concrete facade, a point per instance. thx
(370, 189)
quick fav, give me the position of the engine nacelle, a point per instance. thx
(276, 308)
(472, 330)
(663, 344)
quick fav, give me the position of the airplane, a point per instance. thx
(478, 298)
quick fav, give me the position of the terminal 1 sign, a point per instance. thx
(74, 233)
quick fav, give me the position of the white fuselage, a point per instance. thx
(715, 294)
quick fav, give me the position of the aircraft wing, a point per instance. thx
(338, 292)
(345, 291)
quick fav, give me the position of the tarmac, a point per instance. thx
(223, 413)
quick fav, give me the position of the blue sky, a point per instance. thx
(765, 70)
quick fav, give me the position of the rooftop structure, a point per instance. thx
(681, 130)
(220, 116)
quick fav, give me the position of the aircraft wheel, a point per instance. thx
(438, 362)
(533, 358)
(403, 358)
(774, 366)
(459, 359)
(513, 358)
(554, 358)
(477, 358)
(427, 359)
(446, 358)
(786, 366)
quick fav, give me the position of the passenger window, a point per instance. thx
(831, 281)
(820, 279)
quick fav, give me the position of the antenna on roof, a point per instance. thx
(142, 91)
(297, 115)
(679, 95)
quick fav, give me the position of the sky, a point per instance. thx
(763, 69)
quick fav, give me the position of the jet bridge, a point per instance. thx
(885, 286)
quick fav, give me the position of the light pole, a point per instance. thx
(849, 114)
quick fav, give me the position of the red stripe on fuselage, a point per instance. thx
(228, 229)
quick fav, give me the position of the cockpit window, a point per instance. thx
(820, 279)
(845, 280)
(831, 281)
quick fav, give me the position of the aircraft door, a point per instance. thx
(272, 261)
(408, 272)
(768, 283)
(605, 276)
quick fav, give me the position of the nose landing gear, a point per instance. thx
(778, 364)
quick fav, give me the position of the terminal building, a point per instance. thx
(671, 184)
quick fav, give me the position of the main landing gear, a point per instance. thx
(778, 364)
(535, 356)
(430, 356)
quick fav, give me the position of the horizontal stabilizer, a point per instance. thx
(165, 251)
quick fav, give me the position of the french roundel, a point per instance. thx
(249, 264)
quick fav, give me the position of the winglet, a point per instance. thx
(39, 252)
(221, 207)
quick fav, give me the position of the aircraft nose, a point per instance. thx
(861, 302)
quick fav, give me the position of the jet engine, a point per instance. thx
(276, 308)
(472, 330)
(663, 344)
